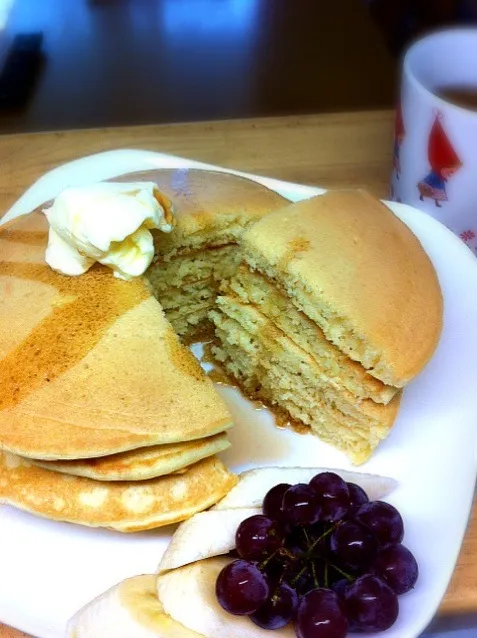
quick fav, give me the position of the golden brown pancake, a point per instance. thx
(123, 506)
(334, 309)
(142, 464)
(89, 366)
(349, 264)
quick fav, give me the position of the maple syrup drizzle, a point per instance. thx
(221, 377)
(86, 307)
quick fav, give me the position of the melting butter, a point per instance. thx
(109, 223)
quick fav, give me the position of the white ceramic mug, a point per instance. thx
(435, 146)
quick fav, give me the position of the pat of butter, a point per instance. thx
(109, 223)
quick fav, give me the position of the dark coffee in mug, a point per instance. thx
(463, 96)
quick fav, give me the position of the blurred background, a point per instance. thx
(99, 62)
(87, 63)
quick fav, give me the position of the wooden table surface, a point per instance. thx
(343, 150)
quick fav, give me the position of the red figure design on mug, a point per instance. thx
(399, 135)
(444, 163)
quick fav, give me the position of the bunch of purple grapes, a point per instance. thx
(321, 556)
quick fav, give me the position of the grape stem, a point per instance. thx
(340, 571)
(315, 577)
(307, 538)
(265, 562)
(320, 538)
(309, 555)
(282, 551)
(294, 581)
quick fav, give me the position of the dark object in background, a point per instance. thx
(404, 20)
(21, 70)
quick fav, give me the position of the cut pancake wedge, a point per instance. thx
(349, 264)
(89, 366)
(266, 361)
(254, 288)
(142, 464)
(123, 506)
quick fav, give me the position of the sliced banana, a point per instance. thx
(187, 606)
(204, 535)
(188, 595)
(254, 484)
(212, 533)
(130, 609)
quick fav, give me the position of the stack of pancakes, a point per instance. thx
(106, 419)
(334, 309)
(212, 210)
(328, 308)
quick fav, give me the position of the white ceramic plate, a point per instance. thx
(48, 570)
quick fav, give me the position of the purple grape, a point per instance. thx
(300, 506)
(383, 519)
(279, 610)
(320, 616)
(332, 495)
(370, 604)
(258, 537)
(272, 503)
(396, 565)
(357, 497)
(353, 546)
(241, 588)
(340, 587)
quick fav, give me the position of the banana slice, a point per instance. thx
(204, 535)
(212, 533)
(254, 484)
(188, 595)
(127, 610)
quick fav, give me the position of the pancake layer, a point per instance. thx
(142, 464)
(122, 506)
